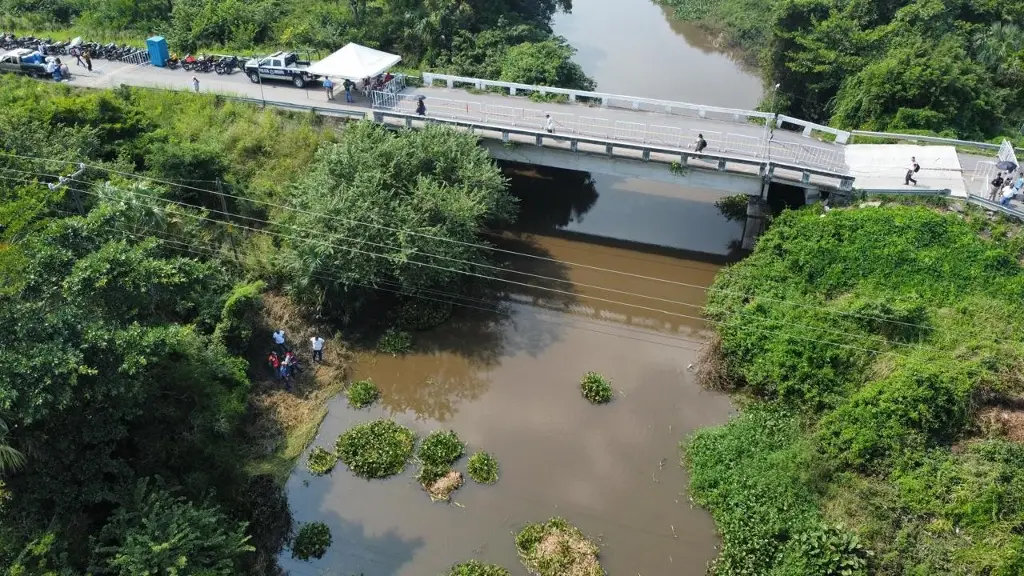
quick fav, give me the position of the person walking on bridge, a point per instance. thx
(88, 60)
(911, 170)
(329, 88)
(997, 185)
(701, 143)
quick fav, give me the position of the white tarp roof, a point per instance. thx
(354, 62)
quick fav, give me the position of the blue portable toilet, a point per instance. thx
(158, 53)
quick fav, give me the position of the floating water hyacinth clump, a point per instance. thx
(376, 449)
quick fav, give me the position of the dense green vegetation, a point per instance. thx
(439, 450)
(376, 449)
(362, 393)
(137, 411)
(596, 388)
(483, 468)
(871, 340)
(939, 66)
(311, 541)
(321, 461)
(494, 39)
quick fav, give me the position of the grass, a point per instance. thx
(362, 393)
(557, 548)
(477, 568)
(320, 461)
(312, 541)
(897, 453)
(376, 449)
(483, 468)
(596, 388)
(283, 424)
(394, 342)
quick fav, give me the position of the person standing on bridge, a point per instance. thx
(348, 85)
(88, 60)
(77, 53)
(329, 88)
(911, 170)
(195, 84)
(997, 184)
(421, 108)
(549, 124)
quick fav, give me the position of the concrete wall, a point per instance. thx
(628, 168)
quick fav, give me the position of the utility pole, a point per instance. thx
(231, 228)
(63, 181)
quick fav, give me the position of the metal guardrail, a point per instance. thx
(929, 139)
(842, 136)
(618, 131)
(606, 99)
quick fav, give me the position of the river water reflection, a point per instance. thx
(636, 47)
(507, 382)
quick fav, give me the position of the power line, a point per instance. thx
(880, 339)
(555, 290)
(496, 249)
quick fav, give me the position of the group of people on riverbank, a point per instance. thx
(283, 361)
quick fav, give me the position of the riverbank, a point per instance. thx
(881, 348)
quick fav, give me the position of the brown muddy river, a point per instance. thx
(508, 383)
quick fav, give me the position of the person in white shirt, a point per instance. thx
(549, 124)
(911, 170)
(1008, 195)
(318, 348)
(280, 340)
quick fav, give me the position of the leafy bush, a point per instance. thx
(477, 568)
(312, 541)
(596, 388)
(241, 314)
(565, 550)
(320, 461)
(376, 449)
(394, 342)
(483, 468)
(362, 393)
(437, 453)
(733, 207)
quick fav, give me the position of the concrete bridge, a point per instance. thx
(622, 135)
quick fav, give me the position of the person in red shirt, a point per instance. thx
(275, 364)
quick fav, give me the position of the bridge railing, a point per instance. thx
(638, 150)
(808, 128)
(602, 128)
(604, 98)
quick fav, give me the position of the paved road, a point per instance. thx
(735, 138)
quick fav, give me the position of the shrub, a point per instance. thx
(476, 568)
(733, 207)
(240, 315)
(596, 388)
(394, 342)
(312, 541)
(439, 450)
(483, 468)
(376, 449)
(362, 393)
(557, 548)
(321, 461)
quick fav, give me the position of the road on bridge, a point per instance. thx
(740, 139)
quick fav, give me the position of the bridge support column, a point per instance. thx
(805, 178)
(378, 117)
(604, 102)
(636, 104)
(683, 159)
(646, 154)
(702, 113)
(608, 149)
(721, 165)
(572, 97)
(574, 145)
(512, 91)
(451, 83)
(540, 140)
(505, 138)
(408, 122)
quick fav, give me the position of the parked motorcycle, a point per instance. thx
(226, 65)
(189, 63)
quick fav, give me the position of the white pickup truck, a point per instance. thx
(23, 61)
(284, 66)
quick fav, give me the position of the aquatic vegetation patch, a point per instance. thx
(477, 568)
(362, 393)
(312, 541)
(394, 342)
(439, 450)
(483, 468)
(376, 449)
(420, 314)
(596, 388)
(557, 548)
(321, 461)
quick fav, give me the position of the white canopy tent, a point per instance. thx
(354, 62)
